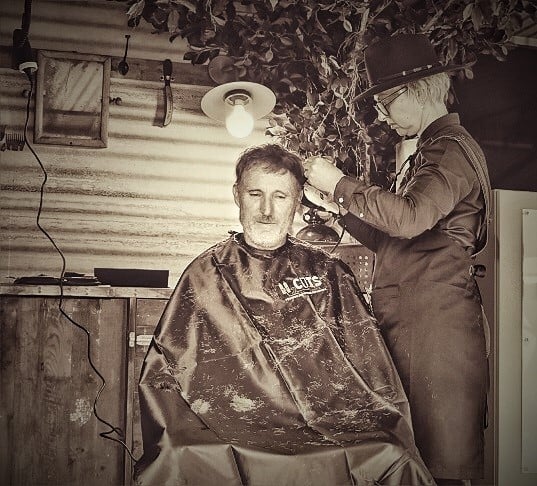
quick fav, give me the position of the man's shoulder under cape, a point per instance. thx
(270, 360)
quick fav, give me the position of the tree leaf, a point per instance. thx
(136, 9)
(189, 5)
(189, 55)
(173, 21)
(365, 18)
(286, 41)
(201, 57)
(467, 12)
(477, 17)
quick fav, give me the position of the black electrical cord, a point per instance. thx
(338, 242)
(22, 52)
(26, 17)
(116, 430)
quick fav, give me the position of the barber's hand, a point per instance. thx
(322, 174)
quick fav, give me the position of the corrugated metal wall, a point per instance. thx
(86, 26)
(154, 198)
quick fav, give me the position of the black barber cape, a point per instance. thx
(266, 368)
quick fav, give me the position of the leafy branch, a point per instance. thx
(309, 52)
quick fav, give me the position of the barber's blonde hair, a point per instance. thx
(433, 88)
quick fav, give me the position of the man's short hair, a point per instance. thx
(272, 158)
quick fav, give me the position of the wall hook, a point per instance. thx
(123, 66)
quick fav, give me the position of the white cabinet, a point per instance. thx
(513, 411)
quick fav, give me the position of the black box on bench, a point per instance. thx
(132, 277)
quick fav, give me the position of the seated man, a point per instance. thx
(266, 367)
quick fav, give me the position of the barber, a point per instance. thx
(425, 237)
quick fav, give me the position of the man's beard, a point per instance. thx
(265, 235)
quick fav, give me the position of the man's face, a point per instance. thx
(267, 203)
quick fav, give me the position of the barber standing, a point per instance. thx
(425, 237)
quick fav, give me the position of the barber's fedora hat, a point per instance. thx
(399, 59)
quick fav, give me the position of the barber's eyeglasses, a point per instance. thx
(382, 105)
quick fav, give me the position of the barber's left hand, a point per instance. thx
(322, 174)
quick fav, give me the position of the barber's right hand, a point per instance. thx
(322, 174)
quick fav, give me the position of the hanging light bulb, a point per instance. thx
(238, 104)
(239, 121)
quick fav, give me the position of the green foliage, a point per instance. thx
(309, 52)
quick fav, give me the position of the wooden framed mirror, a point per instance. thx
(72, 99)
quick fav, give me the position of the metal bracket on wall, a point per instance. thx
(139, 340)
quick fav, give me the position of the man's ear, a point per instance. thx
(236, 194)
(298, 207)
(420, 98)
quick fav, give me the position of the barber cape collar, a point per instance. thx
(400, 59)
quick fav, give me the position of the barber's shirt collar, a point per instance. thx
(438, 125)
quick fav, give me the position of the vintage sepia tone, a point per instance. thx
(133, 175)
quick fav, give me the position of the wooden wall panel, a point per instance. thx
(49, 433)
